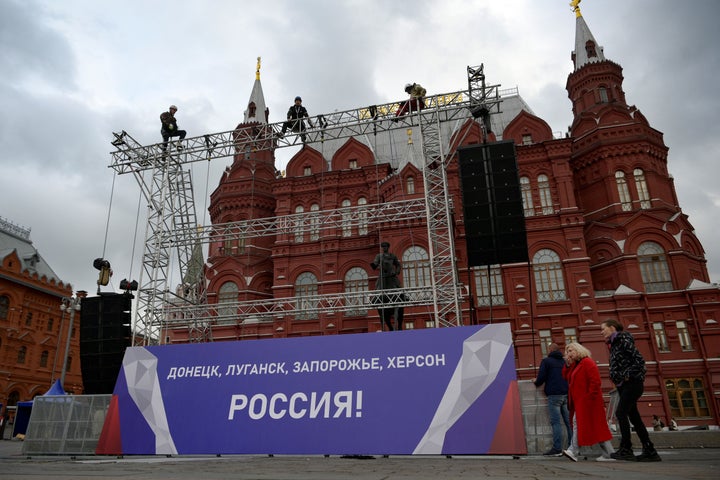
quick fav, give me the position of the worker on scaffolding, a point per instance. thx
(169, 127)
(416, 101)
(295, 119)
(389, 266)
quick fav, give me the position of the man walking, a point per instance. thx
(627, 372)
(556, 390)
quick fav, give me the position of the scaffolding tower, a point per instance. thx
(172, 222)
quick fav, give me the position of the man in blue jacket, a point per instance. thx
(556, 389)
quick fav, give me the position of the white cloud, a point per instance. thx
(77, 70)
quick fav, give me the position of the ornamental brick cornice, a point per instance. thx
(613, 142)
(561, 148)
(590, 72)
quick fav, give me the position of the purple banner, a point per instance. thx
(432, 391)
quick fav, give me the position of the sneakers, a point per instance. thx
(553, 452)
(603, 458)
(570, 454)
(649, 455)
(624, 454)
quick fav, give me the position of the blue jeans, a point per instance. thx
(558, 412)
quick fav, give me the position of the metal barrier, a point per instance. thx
(65, 424)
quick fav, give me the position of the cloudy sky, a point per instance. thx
(73, 71)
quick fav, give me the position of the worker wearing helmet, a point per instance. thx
(169, 127)
(295, 115)
(416, 101)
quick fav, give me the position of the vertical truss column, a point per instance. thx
(484, 100)
(186, 233)
(171, 222)
(156, 255)
(439, 222)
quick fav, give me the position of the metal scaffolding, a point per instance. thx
(172, 223)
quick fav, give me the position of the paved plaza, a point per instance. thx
(685, 463)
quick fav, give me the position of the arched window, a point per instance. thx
(314, 222)
(416, 267)
(22, 352)
(410, 185)
(299, 224)
(545, 194)
(642, 188)
(356, 280)
(528, 207)
(363, 217)
(687, 397)
(654, 268)
(306, 286)
(346, 219)
(603, 95)
(549, 282)
(227, 297)
(50, 324)
(44, 358)
(28, 319)
(623, 191)
(4, 307)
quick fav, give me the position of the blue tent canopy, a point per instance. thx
(22, 414)
(56, 389)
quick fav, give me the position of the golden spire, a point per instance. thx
(257, 71)
(576, 7)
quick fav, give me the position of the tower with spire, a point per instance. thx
(636, 232)
(241, 269)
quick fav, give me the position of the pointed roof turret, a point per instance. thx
(411, 154)
(256, 109)
(586, 48)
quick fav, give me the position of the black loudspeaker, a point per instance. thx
(104, 334)
(492, 204)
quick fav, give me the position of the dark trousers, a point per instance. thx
(414, 105)
(166, 134)
(297, 126)
(627, 412)
(387, 314)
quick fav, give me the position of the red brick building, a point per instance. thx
(33, 329)
(606, 239)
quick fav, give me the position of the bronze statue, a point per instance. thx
(389, 266)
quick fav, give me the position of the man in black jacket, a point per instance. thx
(556, 389)
(295, 119)
(627, 372)
(169, 127)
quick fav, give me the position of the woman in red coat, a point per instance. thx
(585, 401)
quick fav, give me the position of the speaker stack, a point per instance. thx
(492, 204)
(104, 334)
